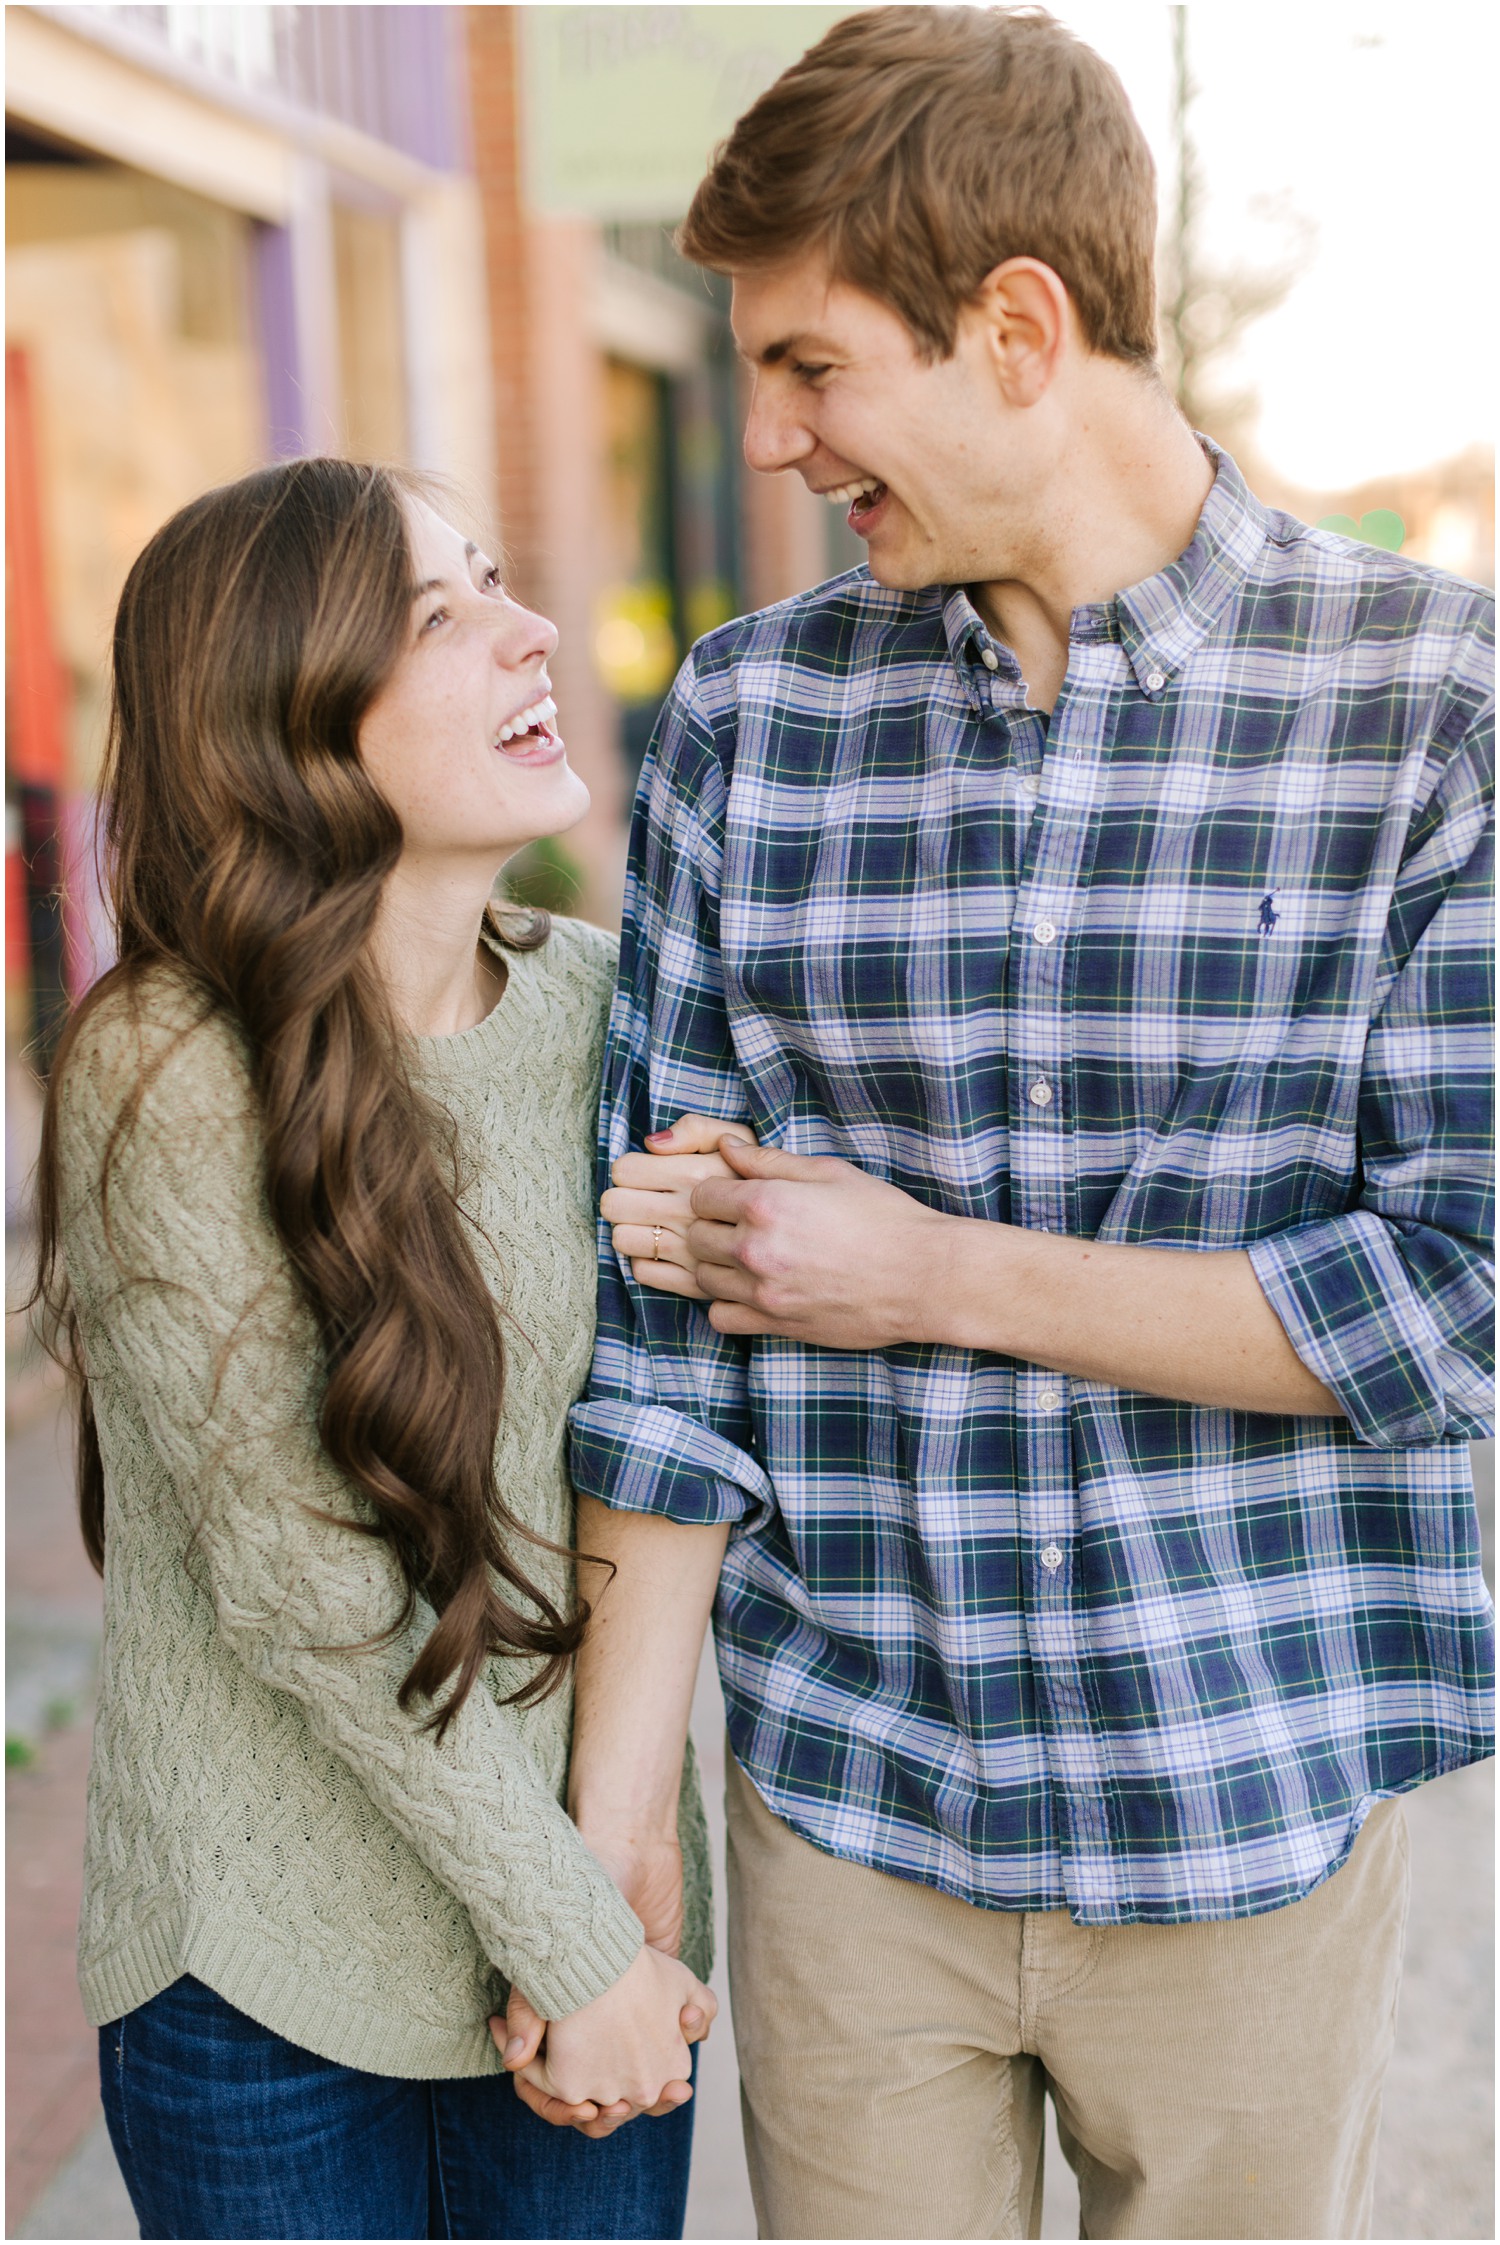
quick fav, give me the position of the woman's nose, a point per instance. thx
(526, 636)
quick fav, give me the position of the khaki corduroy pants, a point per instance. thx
(1211, 2081)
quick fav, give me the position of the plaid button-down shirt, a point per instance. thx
(1201, 965)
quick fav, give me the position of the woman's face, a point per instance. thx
(462, 739)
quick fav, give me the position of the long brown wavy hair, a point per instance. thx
(247, 848)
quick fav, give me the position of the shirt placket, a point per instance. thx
(1044, 1197)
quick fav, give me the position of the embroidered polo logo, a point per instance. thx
(1269, 915)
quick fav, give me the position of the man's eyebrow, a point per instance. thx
(439, 584)
(774, 353)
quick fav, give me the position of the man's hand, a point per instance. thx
(818, 1251)
(648, 1872)
(813, 1249)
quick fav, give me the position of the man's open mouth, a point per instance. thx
(860, 498)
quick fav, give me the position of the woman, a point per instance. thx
(324, 1131)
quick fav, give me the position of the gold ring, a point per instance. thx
(656, 1243)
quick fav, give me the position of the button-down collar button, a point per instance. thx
(1048, 1400)
(989, 658)
(1044, 932)
(1052, 1559)
(1155, 680)
(1040, 1093)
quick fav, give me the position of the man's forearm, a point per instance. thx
(637, 1668)
(1192, 1326)
(821, 1251)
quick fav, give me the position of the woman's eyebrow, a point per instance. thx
(438, 584)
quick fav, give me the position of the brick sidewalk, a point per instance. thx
(52, 2084)
(53, 1609)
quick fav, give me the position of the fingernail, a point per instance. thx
(515, 2046)
(657, 1137)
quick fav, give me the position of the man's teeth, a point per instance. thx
(540, 713)
(847, 492)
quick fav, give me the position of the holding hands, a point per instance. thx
(624, 2054)
(650, 1204)
(811, 1248)
(774, 1243)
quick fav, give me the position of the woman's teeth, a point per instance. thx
(538, 718)
(847, 492)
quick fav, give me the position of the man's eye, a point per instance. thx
(807, 373)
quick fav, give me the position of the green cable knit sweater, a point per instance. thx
(261, 1813)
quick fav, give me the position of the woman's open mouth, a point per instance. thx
(530, 737)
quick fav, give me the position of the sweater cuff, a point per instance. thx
(582, 1970)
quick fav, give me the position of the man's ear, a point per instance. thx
(1028, 326)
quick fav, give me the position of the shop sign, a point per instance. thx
(623, 106)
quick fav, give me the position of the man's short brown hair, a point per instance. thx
(917, 148)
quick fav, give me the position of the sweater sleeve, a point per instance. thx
(187, 1302)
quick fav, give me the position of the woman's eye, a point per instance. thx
(491, 580)
(438, 616)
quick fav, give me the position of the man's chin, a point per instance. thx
(902, 573)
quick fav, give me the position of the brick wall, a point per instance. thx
(494, 94)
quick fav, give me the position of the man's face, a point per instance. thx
(949, 471)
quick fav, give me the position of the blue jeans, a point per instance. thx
(223, 2129)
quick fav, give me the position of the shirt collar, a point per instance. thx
(1158, 622)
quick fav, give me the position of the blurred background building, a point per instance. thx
(441, 236)
(240, 233)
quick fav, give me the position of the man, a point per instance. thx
(1085, 908)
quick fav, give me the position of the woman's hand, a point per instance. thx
(649, 1207)
(623, 2054)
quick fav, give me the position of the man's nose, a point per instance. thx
(775, 436)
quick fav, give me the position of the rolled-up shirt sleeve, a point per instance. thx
(1392, 1303)
(665, 1424)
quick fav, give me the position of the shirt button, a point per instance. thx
(1045, 932)
(1052, 1559)
(1155, 680)
(1048, 1400)
(1031, 785)
(989, 658)
(1040, 1093)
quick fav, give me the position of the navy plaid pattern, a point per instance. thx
(1204, 964)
